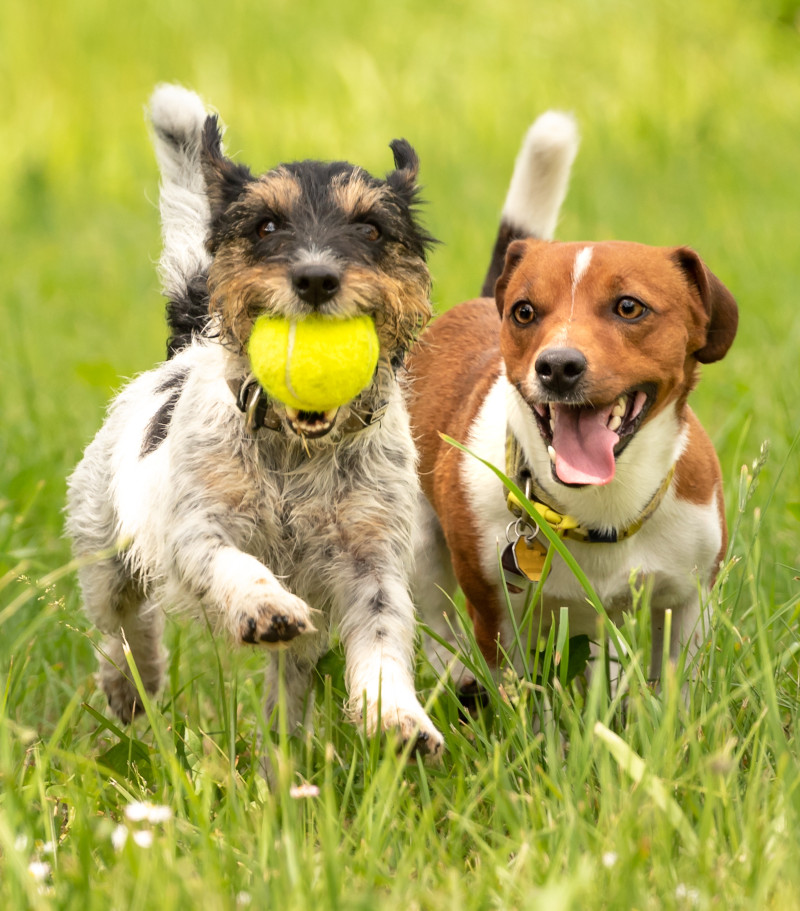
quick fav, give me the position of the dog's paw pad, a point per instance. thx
(282, 629)
(272, 629)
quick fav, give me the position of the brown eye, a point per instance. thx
(629, 308)
(523, 313)
(266, 227)
(369, 231)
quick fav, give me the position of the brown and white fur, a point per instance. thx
(278, 533)
(575, 332)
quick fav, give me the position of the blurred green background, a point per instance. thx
(689, 117)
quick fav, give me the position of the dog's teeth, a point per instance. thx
(292, 413)
(615, 422)
(619, 409)
(552, 453)
(330, 415)
(638, 404)
(552, 425)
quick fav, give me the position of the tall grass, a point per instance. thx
(559, 793)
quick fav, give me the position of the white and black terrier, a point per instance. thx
(201, 492)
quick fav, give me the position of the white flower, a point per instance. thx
(143, 838)
(153, 813)
(159, 813)
(243, 899)
(119, 836)
(39, 870)
(299, 791)
(137, 811)
(689, 893)
(609, 859)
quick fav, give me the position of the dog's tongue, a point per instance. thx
(584, 445)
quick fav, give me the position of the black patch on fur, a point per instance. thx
(188, 315)
(316, 219)
(174, 381)
(225, 180)
(378, 604)
(506, 234)
(158, 427)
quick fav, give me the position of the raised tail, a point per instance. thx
(178, 116)
(537, 189)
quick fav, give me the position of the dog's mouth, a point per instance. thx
(311, 424)
(584, 441)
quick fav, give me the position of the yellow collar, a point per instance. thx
(566, 526)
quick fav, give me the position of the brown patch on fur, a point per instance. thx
(227, 484)
(354, 195)
(621, 354)
(698, 476)
(241, 291)
(468, 334)
(277, 190)
(398, 298)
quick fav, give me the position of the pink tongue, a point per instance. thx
(584, 445)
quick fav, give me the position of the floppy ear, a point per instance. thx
(403, 180)
(720, 313)
(225, 180)
(514, 254)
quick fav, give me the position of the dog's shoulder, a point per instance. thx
(459, 351)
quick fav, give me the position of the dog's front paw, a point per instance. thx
(274, 621)
(411, 726)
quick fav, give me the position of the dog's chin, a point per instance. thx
(585, 447)
(311, 425)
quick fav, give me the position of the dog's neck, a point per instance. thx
(640, 470)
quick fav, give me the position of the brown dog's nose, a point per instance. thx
(315, 284)
(560, 369)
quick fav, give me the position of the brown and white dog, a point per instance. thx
(583, 363)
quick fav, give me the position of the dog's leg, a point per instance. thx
(376, 624)
(142, 631)
(240, 591)
(115, 603)
(292, 686)
(434, 584)
(686, 633)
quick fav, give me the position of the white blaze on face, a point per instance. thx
(580, 266)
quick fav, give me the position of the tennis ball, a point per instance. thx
(315, 363)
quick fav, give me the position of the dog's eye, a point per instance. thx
(369, 230)
(629, 308)
(523, 313)
(267, 226)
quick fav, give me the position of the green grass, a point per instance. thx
(689, 121)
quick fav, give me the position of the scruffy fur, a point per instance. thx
(276, 533)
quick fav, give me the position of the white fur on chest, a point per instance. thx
(674, 547)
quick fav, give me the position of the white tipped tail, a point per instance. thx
(541, 175)
(178, 115)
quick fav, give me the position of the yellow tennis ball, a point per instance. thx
(315, 363)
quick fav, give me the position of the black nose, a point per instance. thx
(560, 369)
(315, 284)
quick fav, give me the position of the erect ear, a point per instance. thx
(720, 315)
(403, 180)
(225, 180)
(514, 254)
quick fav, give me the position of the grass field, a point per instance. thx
(690, 122)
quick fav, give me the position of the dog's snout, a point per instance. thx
(560, 369)
(315, 284)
